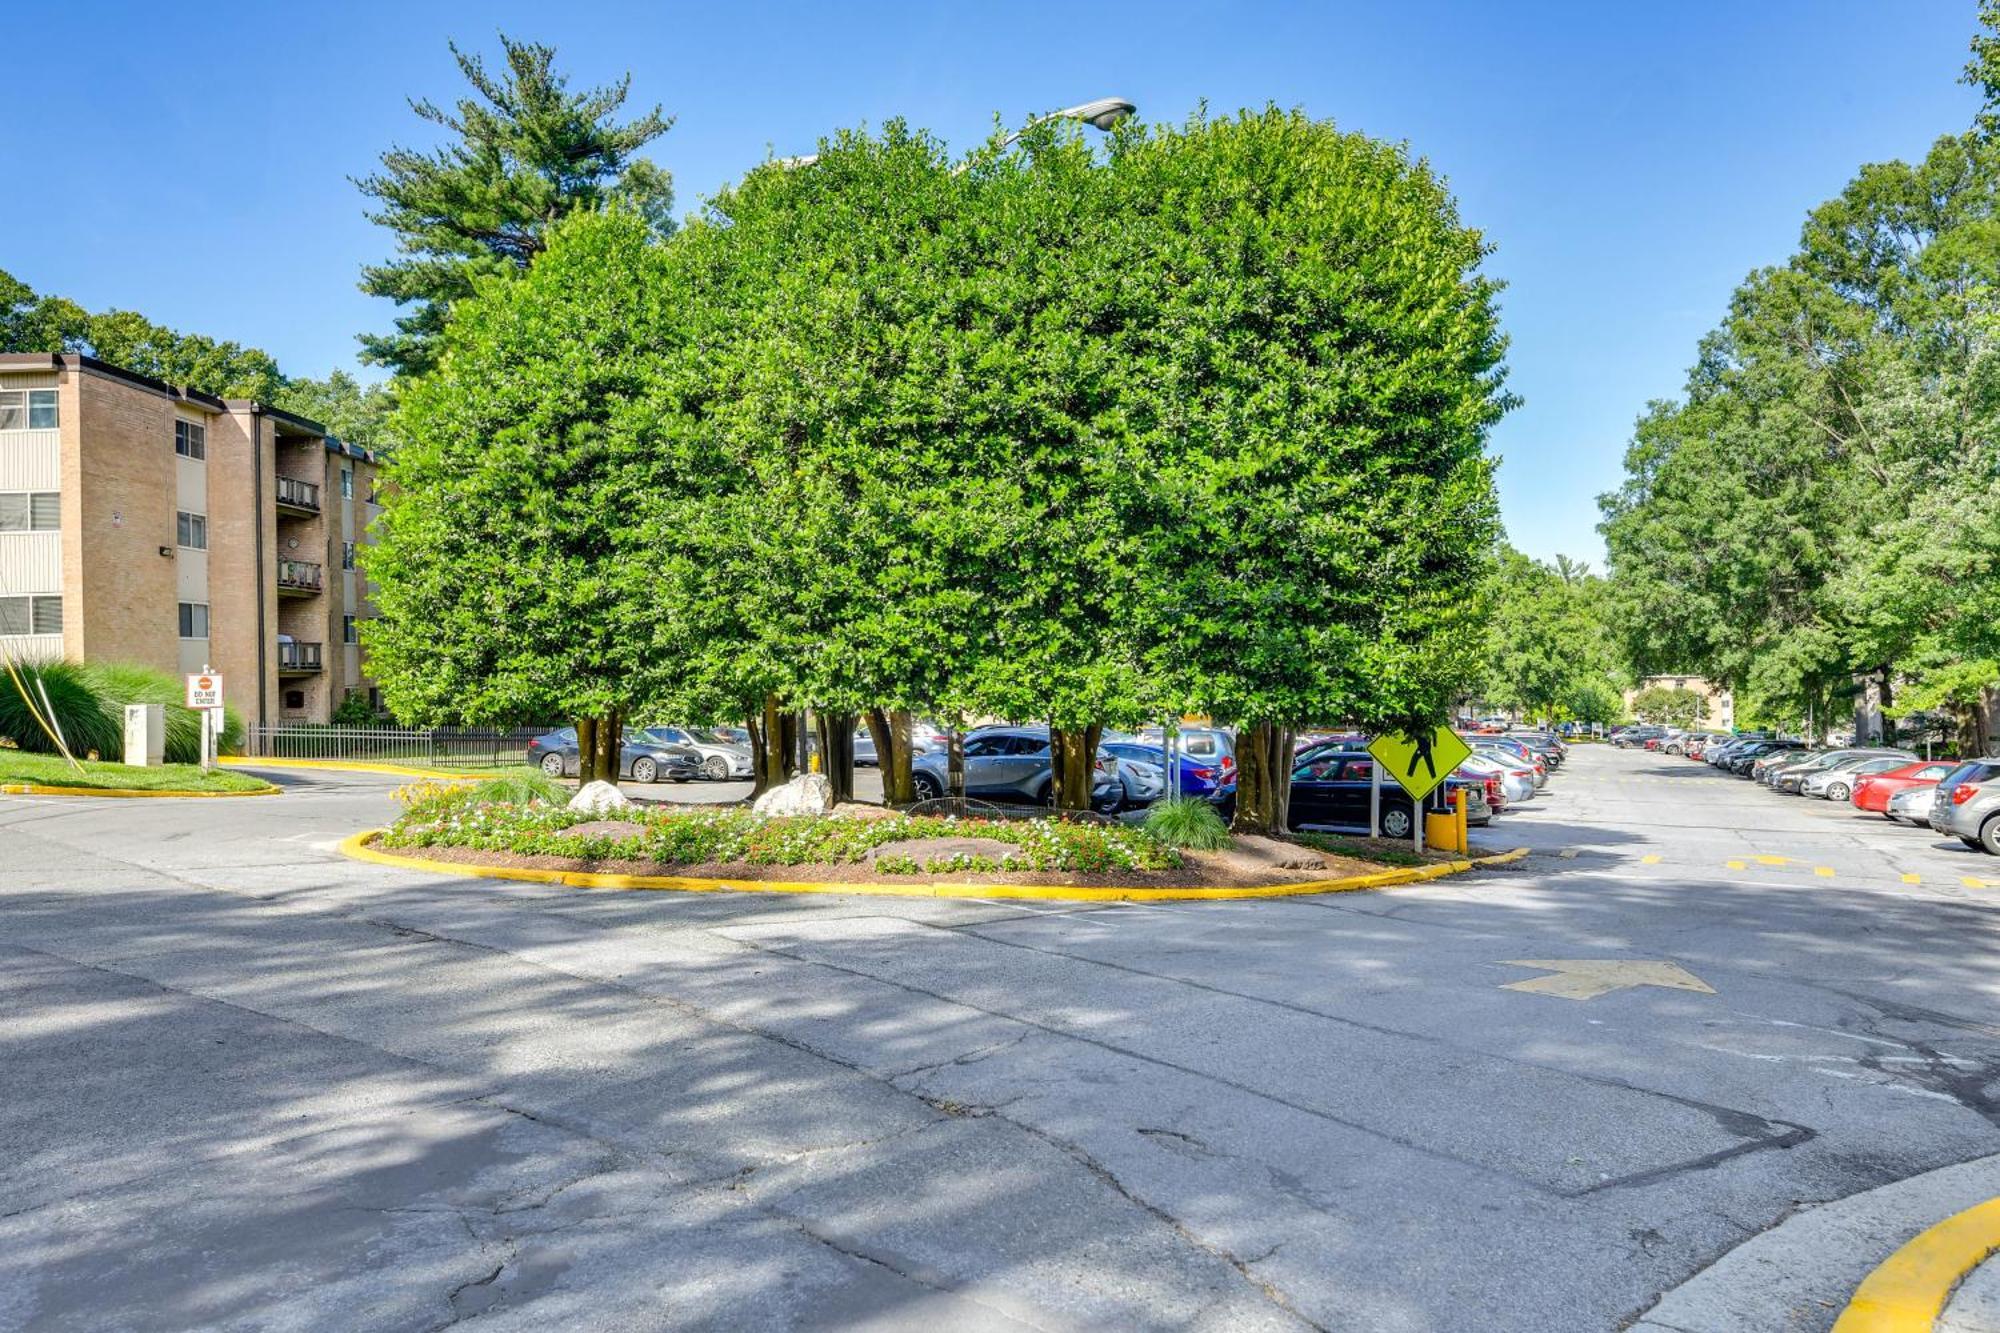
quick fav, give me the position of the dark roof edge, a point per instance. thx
(77, 360)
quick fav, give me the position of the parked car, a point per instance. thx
(1012, 764)
(1636, 737)
(1836, 782)
(1204, 778)
(1144, 783)
(1508, 749)
(1912, 805)
(1966, 804)
(1793, 778)
(720, 757)
(639, 759)
(1211, 746)
(1515, 784)
(1874, 791)
(1330, 790)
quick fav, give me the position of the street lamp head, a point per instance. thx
(1103, 114)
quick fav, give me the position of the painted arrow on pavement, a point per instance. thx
(1588, 978)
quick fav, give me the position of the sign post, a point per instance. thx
(204, 695)
(1418, 765)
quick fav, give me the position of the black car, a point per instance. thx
(1330, 790)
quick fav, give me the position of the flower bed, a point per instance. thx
(441, 816)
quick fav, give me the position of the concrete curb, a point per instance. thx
(353, 766)
(1911, 1288)
(1826, 1259)
(126, 793)
(360, 847)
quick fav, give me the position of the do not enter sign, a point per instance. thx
(204, 690)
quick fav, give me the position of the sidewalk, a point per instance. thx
(1975, 1306)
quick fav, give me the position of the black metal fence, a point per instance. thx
(434, 747)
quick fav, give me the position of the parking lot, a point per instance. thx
(253, 1084)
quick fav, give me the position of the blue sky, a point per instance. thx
(1631, 163)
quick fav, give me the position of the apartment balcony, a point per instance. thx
(298, 659)
(297, 497)
(299, 578)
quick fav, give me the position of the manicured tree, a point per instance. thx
(526, 152)
(515, 568)
(1312, 363)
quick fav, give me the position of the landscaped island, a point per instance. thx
(513, 824)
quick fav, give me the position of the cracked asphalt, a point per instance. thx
(247, 1084)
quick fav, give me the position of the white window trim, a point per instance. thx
(207, 624)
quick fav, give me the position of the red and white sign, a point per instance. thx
(204, 690)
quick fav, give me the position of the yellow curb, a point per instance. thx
(1908, 1292)
(352, 766)
(359, 847)
(37, 789)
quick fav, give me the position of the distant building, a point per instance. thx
(141, 522)
(1719, 708)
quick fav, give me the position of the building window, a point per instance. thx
(295, 700)
(347, 483)
(28, 409)
(194, 620)
(30, 511)
(31, 615)
(191, 439)
(347, 555)
(191, 531)
(349, 631)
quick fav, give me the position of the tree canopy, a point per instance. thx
(525, 152)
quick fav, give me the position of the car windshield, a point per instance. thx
(717, 736)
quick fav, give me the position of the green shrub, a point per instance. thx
(73, 699)
(89, 701)
(520, 789)
(121, 683)
(1190, 823)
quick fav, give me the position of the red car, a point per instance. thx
(1873, 791)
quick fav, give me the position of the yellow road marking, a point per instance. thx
(1913, 879)
(1975, 882)
(1824, 872)
(1650, 859)
(1587, 978)
(1772, 860)
(1734, 865)
(1907, 1293)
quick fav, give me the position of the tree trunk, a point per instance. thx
(893, 751)
(836, 752)
(1263, 779)
(1073, 764)
(767, 748)
(586, 750)
(610, 746)
(954, 767)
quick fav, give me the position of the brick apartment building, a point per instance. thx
(140, 522)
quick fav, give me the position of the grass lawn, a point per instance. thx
(50, 770)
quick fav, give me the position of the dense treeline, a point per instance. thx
(1197, 424)
(1550, 652)
(32, 322)
(1823, 504)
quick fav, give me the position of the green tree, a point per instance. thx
(357, 413)
(516, 564)
(526, 152)
(1669, 706)
(1307, 362)
(31, 323)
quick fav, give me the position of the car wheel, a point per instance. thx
(715, 768)
(645, 770)
(1113, 805)
(927, 787)
(1839, 791)
(1989, 836)
(552, 764)
(1395, 823)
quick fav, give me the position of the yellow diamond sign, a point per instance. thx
(1418, 764)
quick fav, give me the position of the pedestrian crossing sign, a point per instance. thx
(1419, 764)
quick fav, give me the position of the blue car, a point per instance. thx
(1206, 778)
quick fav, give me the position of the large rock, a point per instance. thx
(599, 798)
(925, 850)
(806, 794)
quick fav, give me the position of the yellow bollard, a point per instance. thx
(1464, 838)
(1440, 829)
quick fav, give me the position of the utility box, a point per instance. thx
(145, 734)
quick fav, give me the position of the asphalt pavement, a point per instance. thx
(250, 1084)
